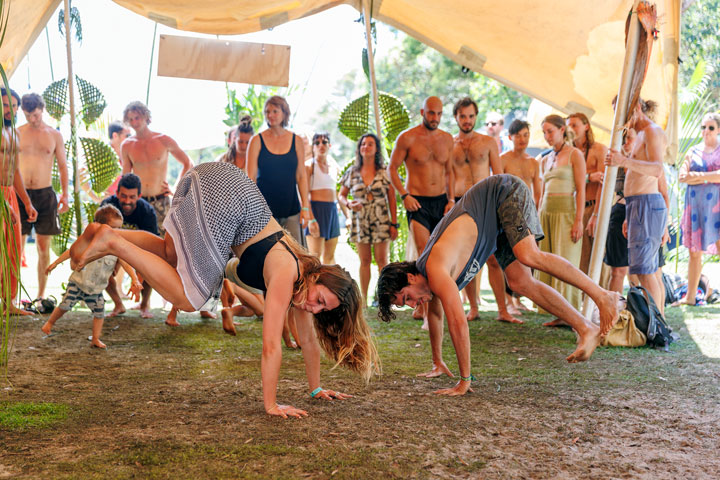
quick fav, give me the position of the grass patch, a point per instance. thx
(23, 415)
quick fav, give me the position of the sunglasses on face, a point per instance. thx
(490, 124)
(709, 127)
(324, 142)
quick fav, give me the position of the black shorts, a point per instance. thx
(45, 202)
(431, 211)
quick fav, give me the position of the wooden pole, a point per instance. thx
(73, 130)
(367, 13)
(608, 190)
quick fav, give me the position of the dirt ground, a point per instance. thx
(187, 403)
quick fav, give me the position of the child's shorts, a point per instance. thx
(95, 302)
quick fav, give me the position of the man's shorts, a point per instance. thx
(518, 218)
(646, 218)
(161, 204)
(431, 211)
(616, 245)
(45, 202)
(95, 302)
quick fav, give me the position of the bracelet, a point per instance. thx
(594, 214)
(315, 392)
(396, 225)
(312, 220)
(467, 379)
(587, 178)
(402, 197)
(305, 209)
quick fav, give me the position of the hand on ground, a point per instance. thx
(331, 394)
(436, 371)
(286, 410)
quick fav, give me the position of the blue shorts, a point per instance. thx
(646, 217)
(327, 217)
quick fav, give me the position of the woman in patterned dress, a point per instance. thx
(217, 211)
(374, 216)
(701, 219)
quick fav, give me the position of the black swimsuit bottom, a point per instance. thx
(252, 261)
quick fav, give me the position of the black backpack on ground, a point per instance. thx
(648, 318)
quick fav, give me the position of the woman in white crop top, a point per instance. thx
(322, 173)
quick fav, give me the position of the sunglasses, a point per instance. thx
(491, 124)
(709, 127)
(324, 142)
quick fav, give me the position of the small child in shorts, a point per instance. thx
(87, 285)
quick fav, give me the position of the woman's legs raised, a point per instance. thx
(100, 240)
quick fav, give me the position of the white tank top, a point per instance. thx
(320, 180)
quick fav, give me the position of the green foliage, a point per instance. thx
(56, 99)
(74, 22)
(699, 30)
(21, 415)
(59, 243)
(102, 163)
(92, 101)
(251, 103)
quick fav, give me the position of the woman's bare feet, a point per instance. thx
(506, 317)
(609, 304)
(227, 321)
(472, 314)
(171, 319)
(436, 371)
(99, 245)
(97, 343)
(586, 345)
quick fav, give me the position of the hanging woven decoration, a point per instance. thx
(92, 101)
(56, 99)
(102, 163)
(355, 119)
(90, 209)
(59, 243)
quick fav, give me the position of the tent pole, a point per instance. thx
(47, 37)
(608, 190)
(71, 88)
(152, 57)
(371, 66)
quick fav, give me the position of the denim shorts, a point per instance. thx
(646, 218)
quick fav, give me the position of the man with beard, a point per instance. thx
(40, 146)
(137, 214)
(427, 195)
(473, 156)
(13, 188)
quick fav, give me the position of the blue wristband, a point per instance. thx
(467, 379)
(316, 391)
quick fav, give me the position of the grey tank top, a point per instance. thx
(481, 203)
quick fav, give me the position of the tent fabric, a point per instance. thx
(561, 52)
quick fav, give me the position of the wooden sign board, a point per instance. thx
(224, 60)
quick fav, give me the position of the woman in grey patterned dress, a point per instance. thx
(217, 210)
(374, 217)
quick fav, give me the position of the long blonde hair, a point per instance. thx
(343, 332)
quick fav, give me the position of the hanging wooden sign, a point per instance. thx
(224, 60)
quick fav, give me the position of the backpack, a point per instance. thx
(648, 318)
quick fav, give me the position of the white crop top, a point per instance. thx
(320, 180)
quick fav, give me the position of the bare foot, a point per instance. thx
(688, 303)
(171, 319)
(418, 313)
(46, 328)
(513, 310)
(227, 298)
(291, 344)
(98, 344)
(146, 313)
(436, 371)
(227, 321)
(472, 314)
(555, 323)
(118, 310)
(507, 317)
(425, 325)
(521, 306)
(13, 310)
(586, 345)
(99, 246)
(609, 305)
(206, 314)
(81, 244)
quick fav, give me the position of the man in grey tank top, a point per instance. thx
(498, 216)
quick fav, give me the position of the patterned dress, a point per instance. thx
(372, 223)
(701, 219)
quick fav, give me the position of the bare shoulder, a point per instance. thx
(166, 140)
(446, 137)
(598, 148)
(55, 134)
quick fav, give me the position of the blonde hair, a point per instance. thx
(343, 333)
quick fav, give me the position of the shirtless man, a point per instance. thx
(496, 215)
(40, 145)
(473, 156)
(427, 196)
(517, 162)
(146, 155)
(645, 206)
(11, 184)
(595, 167)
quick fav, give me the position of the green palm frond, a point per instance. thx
(56, 99)
(59, 243)
(74, 22)
(92, 100)
(355, 119)
(90, 208)
(102, 163)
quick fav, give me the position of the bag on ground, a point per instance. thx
(624, 333)
(648, 318)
